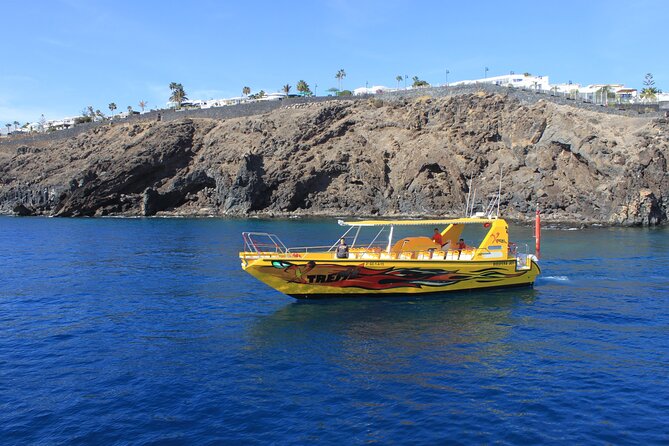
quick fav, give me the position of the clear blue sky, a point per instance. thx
(60, 56)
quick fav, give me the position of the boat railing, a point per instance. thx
(263, 243)
(307, 249)
(374, 249)
(266, 245)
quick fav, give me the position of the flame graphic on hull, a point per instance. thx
(359, 276)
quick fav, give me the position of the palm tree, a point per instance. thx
(9, 126)
(417, 82)
(341, 74)
(16, 125)
(129, 110)
(399, 78)
(142, 105)
(286, 89)
(178, 94)
(303, 88)
(112, 107)
(246, 91)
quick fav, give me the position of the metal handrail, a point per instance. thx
(306, 248)
(253, 245)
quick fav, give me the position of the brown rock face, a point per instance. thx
(359, 157)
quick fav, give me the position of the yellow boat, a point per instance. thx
(396, 265)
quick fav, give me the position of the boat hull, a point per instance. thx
(311, 279)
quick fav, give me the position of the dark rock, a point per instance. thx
(22, 211)
(22, 150)
(248, 192)
(176, 194)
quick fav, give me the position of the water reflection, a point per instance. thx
(385, 335)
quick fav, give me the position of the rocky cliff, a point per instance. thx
(360, 157)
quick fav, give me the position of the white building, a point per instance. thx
(663, 100)
(511, 80)
(50, 125)
(273, 97)
(625, 94)
(597, 93)
(195, 103)
(62, 123)
(223, 101)
(375, 89)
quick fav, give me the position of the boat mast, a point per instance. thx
(499, 191)
(469, 191)
(537, 234)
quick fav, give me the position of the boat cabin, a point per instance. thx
(485, 238)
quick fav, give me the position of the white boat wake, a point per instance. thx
(556, 278)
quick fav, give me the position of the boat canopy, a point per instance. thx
(442, 222)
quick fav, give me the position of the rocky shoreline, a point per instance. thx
(407, 157)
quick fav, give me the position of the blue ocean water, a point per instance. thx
(146, 331)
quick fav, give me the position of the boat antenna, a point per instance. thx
(537, 233)
(473, 199)
(469, 191)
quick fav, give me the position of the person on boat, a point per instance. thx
(437, 238)
(342, 249)
(461, 246)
